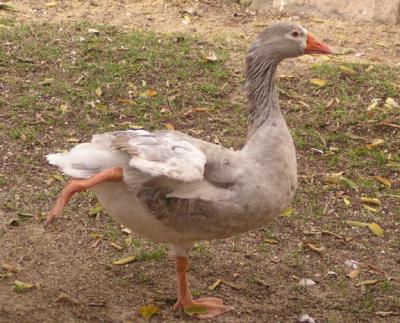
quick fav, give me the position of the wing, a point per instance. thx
(162, 154)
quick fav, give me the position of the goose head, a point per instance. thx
(285, 40)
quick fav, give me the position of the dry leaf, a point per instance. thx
(346, 201)
(376, 229)
(96, 210)
(93, 31)
(98, 91)
(384, 181)
(20, 286)
(353, 274)
(386, 314)
(307, 282)
(375, 143)
(147, 311)
(47, 81)
(212, 57)
(96, 235)
(347, 70)
(64, 297)
(356, 224)
(367, 282)
(124, 261)
(149, 93)
(371, 209)
(318, 82)
(271, 241)
(58, 178)
(63, 108)
(11, 268)
(215, 285)
(371, 200)
(287, 212)
(169, 126)
(315, 248)
(390, 102)
(116, 246)
(51, 4)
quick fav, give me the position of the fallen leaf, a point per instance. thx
(351, 263)
(386, 314)
(96, 210)
(318, 82)
(376, 229)
(47, 82)
(20, 286)
(307, 282)
(371, 209)
(315, 248)
(348, 182)
(367, 282)
(11, 268)
(124, 261)
(271, 241)
(96, 235)
(50, 4)
(353, 274)
(195, 309)
(384, 181)
(390, 102)
(215, 285)
(149, 93)
(356, 224)
(212, 57)
(371, 200)
(346, 201)
(93, 31)
(63, 108)
(186, 20)
(287, 212)
(98, 91)
(147, 311)
(64, 297)
(376, 142)
(347, 70)
(305, 318)
(245, 3)
(116, 246)
(169, 126)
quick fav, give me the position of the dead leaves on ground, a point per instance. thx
(148, 311)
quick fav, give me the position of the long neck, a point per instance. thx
(261, 93)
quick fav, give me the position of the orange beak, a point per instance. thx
(315, 47)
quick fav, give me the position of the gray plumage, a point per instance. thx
(179, 189)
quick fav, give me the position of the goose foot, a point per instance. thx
(202, 308)
(78, 185)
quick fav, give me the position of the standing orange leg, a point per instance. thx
(78, 185)
(213, 306)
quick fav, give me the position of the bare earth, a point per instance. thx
(63, 258)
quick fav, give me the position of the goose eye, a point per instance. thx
(295, 34)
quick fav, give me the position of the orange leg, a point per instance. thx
(213, 306)
(78, 185)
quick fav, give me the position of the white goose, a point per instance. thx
(170, 187)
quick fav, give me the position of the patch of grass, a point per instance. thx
(156, 254)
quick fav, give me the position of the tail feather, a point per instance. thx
(87, 159)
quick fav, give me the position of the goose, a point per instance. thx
(172, 188)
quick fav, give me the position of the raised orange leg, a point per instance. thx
(212, 306)
(78, 185)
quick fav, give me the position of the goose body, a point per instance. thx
(176, 189)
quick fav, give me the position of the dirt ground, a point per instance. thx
(64, 258)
